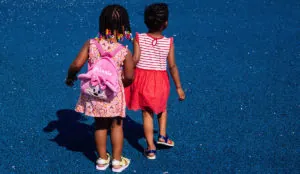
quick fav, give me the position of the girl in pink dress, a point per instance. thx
(113, 26)
(150, 90)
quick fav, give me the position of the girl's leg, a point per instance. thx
(117, 138)
(101, 127)
(162, 121)
(148, 130)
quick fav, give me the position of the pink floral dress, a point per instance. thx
(95, 107)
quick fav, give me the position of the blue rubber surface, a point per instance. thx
(239, 64)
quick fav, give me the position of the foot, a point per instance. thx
(119, 166)
(102, 164)
(164, 140)
(150, 154)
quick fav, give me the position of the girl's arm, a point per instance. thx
(174, 73)
(136, 51)
(77, 64)
(128, 69)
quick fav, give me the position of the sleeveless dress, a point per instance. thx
(151, 87)
(95, 107)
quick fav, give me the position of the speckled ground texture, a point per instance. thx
(239, 62)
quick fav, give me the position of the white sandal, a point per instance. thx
(104, 162)
(124, 163)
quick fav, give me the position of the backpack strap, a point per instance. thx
(100, 49)
(112, 53)
(115, 51)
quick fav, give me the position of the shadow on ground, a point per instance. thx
(73, 134)
(134, 131)
(77, 136)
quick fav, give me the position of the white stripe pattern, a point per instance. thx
(154, 52)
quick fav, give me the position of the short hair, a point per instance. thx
(156, 15)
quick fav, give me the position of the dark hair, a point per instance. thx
(114, 17)
(156, 15)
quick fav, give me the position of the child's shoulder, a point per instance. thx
(105, 43)
(147, 36)
(139, 35)
(93, 44)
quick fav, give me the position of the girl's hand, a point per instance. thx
(70, 81)
(77, 64)
(174, 72)
(181, 94)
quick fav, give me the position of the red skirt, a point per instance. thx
(149, 91)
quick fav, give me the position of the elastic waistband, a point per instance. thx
(150, 70)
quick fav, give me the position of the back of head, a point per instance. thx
(114, 18)
(155, 16)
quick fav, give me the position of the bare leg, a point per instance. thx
(148, 130)
(102, 126)
(162, 120)
(117, 138)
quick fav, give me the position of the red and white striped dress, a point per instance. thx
(150, 89)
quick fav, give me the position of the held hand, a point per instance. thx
(70, 81)
(181, 94)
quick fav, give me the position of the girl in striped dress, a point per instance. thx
(150, 90)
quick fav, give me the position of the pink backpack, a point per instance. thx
(102, 79)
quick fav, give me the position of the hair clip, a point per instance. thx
(128, 35)
(120, 37)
